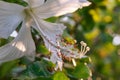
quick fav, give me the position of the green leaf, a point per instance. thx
(38, 69)
(5, 68)
(85, 59)
(3, 42)
(42, 49)
(60, 76)
(80, 71)
(20, 2)
(43, 78)
(52, 19)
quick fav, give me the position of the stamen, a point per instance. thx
(75, 41)
(73, 61)
(87, 49)
(59, 53)
(83, 47)
(49, 48)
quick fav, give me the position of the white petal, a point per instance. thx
(10, 17)
(84, 3)
(59, 7)
(59, 65)
(22, 45)
(34, 3)
(54, 58)
(50, 32)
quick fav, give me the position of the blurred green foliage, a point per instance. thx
(96, 25)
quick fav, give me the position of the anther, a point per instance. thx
(81, 42)
(88, 48)
(73, 61)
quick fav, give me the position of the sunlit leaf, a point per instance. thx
(80, 71)
(60, 76)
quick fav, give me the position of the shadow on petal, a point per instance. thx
(22, 45)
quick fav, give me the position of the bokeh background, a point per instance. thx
(99, 26)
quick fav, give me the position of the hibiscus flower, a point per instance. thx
(12, 15)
